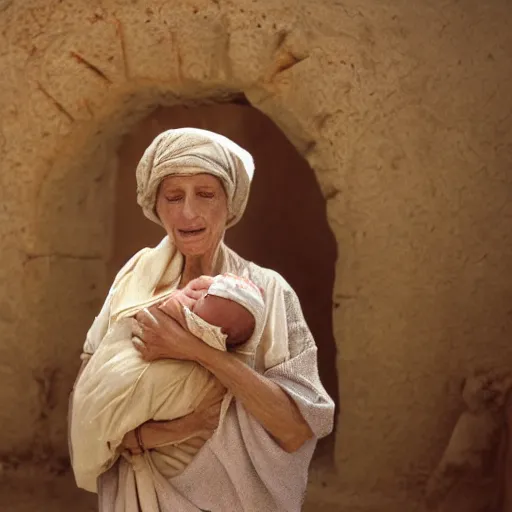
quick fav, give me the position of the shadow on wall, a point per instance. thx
(284, 228)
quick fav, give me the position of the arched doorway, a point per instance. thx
(284, 228)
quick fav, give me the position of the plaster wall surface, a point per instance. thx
(403, 109)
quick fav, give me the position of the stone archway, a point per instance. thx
(284, 227)
(408, 169)
(72, 245)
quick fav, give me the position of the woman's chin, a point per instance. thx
(196, 245)
(192, 248)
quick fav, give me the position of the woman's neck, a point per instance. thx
(197, 266)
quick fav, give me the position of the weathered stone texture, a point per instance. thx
(402, 108)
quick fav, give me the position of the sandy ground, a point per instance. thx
(42, 493)
(59, 494)
(38, 492)
(35, 490)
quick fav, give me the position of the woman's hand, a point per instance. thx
(197, 287)
(152, 434)
(199, 424)
(162, 337)
(131, 443)
(173, 307)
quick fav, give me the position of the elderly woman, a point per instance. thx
(251, 447)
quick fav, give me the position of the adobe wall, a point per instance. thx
(401, 108)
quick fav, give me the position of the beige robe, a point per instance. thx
(240, 467)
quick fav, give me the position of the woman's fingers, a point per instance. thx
(138, 329)
(164, 337)
(160, 318)
(201, 283)
(195, 294)
(198, 287)
(146, 317)
(144, 350)
(138, 344)
(131, 443)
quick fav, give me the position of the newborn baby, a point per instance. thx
(118, 391)
(220, 305)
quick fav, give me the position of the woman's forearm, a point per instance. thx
(164, 337)
(194, 428)
(262, 398)
(160, 433)
(154, 434)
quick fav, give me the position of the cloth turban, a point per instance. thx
(188, 151)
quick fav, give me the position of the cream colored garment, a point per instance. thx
(118, 391)
(184, 151)
(241, 468)
(187, 151)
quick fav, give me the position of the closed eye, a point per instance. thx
(207, 195)
(173, 199)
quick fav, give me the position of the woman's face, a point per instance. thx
(193, 210)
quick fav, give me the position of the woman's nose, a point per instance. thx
(189, 208)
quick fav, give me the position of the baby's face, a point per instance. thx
(234, 320)
(213, 309)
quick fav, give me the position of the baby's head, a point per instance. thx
(232, 303)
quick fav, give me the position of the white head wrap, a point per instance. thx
(187, 151)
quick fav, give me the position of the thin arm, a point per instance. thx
(264, 399)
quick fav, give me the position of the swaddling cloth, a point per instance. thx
(118, 391)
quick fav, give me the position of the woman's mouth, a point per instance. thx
(190, 233)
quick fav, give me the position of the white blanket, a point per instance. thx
(118, 391)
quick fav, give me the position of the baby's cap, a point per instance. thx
(241, 290)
